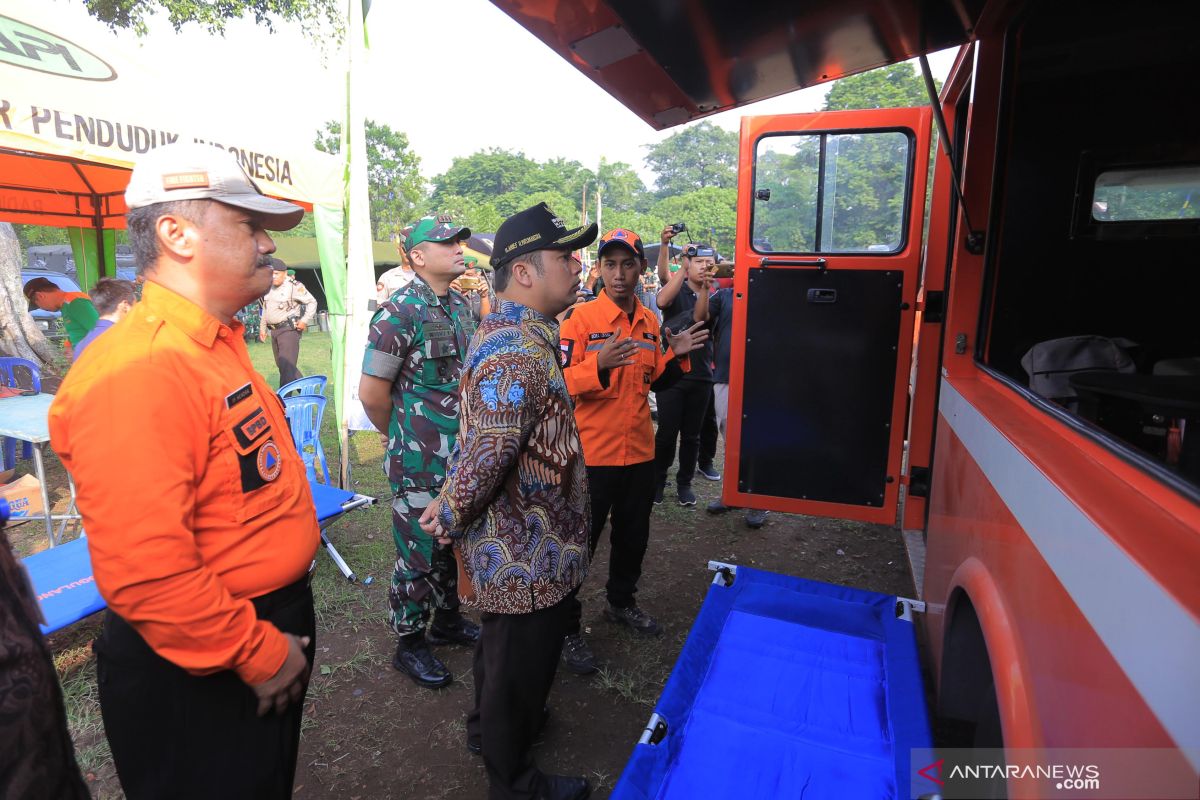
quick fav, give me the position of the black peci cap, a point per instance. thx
(537, 228)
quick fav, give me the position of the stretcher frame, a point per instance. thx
(657, 727)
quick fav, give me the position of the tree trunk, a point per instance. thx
(19, 333)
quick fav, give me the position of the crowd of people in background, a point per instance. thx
(517, 401)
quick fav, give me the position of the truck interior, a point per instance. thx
(1092, 258)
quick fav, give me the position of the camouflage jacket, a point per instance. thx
(417, 342)
(517, 494)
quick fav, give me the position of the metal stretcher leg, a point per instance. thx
(337, 558)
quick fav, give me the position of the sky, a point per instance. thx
(449, 74)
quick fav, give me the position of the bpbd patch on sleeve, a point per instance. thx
(252, 427)
(565, 348)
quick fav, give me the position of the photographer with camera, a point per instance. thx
(288, 309)
(476, 287)
(682, 407)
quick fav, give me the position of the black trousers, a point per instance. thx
(628, 494)
(681, 411)
(514, 666)
(708, 432)
(178, 735)
(285, 346)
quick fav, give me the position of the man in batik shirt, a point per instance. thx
(516, 500)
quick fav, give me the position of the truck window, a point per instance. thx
(831, 192)
(1148, 194)
(1093, 241)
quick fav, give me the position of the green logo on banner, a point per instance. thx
(33, 48)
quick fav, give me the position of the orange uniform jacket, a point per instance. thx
(613, 417)
(193, 497)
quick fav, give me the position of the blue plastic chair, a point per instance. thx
(304, 414)
(9, 367)
(313, 384)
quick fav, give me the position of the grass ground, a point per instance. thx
(370, 733)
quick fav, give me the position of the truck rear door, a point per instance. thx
(830, 213)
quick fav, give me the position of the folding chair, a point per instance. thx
(313, 384)
(304, 413)
(8, 377)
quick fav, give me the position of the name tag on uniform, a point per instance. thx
(237, 396)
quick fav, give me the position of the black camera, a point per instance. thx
(679, 227)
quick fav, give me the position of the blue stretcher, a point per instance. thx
(331, 503)
(66, 590)
(63, 583)
(786, 688)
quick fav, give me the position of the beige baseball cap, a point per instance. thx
(195, 171)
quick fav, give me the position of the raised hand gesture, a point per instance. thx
(688, 339)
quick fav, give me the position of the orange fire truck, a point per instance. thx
(1007, 364)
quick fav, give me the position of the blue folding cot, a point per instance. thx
(66, 590)
(62, 580)
(786, 688)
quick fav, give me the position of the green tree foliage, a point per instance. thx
(478, 215)
(621, 187)
(710, 214)
(643, 223)
(696, 157)
(316, 17)
(394, 179)
(486, 174)
(39, 235)
(494, 183)
(557, 175)
(896, 86)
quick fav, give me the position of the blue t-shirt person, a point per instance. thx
(93, 334)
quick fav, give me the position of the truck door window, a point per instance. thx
(831, 192)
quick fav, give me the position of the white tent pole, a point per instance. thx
(359, 257)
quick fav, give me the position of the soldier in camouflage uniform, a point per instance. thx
(409, 388)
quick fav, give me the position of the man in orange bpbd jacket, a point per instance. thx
(199, 518)
(613, 356)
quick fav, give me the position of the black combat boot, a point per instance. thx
(452, 629)
(414, 658)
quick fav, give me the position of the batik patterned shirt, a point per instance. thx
(516, 498)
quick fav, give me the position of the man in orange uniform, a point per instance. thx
(613, 357)
(200, 521)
